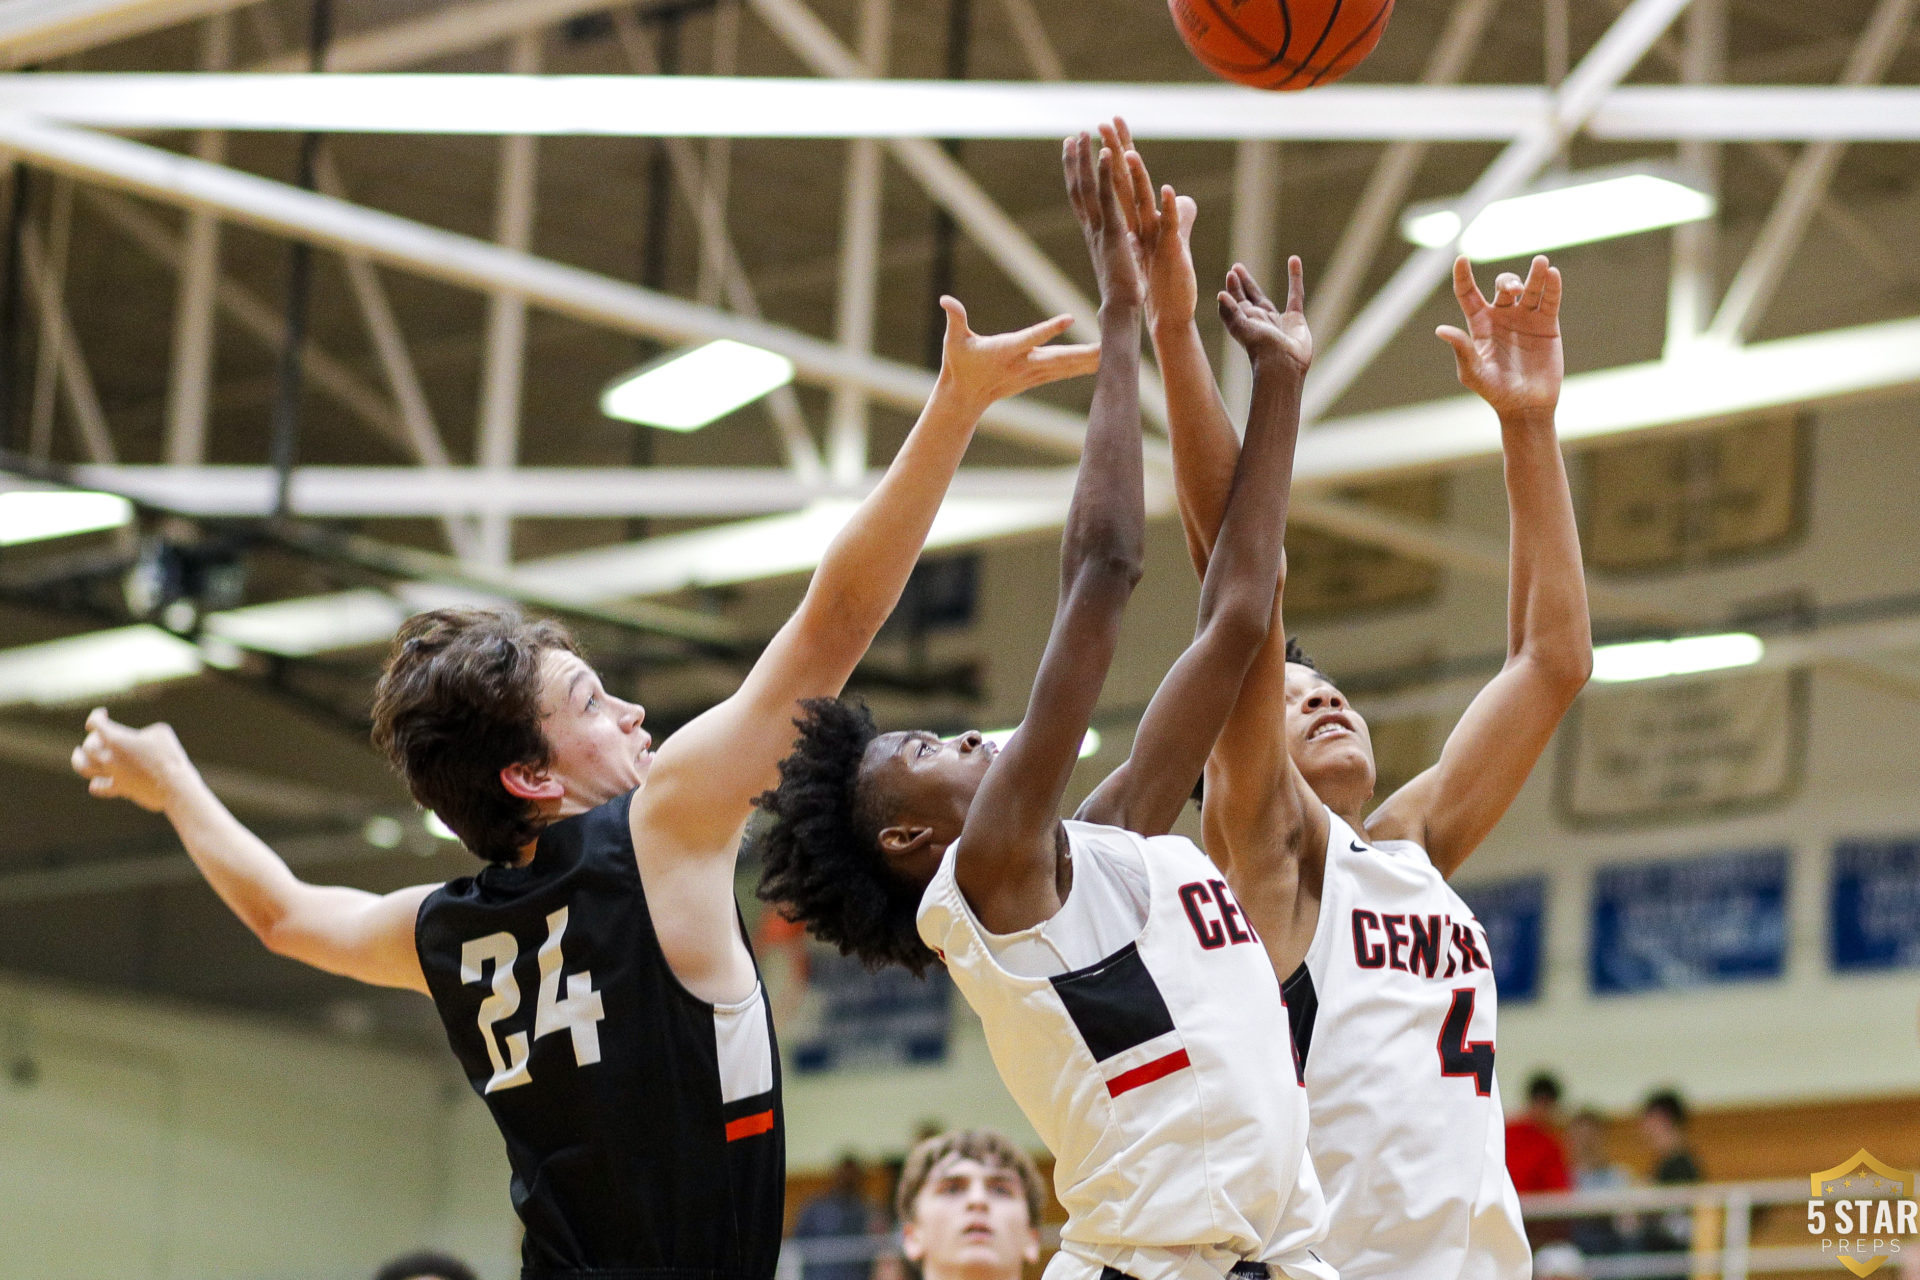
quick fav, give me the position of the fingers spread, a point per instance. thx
(1108, 188)
(1255, 294)
(1144, 219)
(1045, 331)
(1536, 283)
(1125, 134)
(1464, 286)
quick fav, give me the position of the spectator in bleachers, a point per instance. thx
(840, 1212)
(969, 1206)
(1593, 1170)
(1663, 1122)
(1535, 1158)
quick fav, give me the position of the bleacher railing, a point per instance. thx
(1721, 1216)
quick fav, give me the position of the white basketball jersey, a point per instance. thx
(1395, 1020)
(1149, 1075)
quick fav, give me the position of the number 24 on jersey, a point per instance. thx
(578, 1012)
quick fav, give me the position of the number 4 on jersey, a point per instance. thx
(1458, 1057)
(578, 1012)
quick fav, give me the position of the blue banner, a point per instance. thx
(1514, 913)
(1667, 925)
(1875, 920)
(872, 1019)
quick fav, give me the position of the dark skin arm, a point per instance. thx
(1146, 794)
(1008, 863)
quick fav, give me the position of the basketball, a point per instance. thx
(1281, 44)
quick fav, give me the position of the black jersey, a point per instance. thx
(643, 1124)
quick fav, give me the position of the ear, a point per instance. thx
(1031, 1250)
(897, 841)
(529, 783)
(915, 1248)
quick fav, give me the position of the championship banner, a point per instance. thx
(1663, 926)
(1513, 913)
(1681, 748)
(855, 1018)
(1874, 908)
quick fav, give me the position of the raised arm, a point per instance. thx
(704, 778)
(1146, 793)
(360, 935)
(1006, 858)
(1205, 446)
(1510, 355)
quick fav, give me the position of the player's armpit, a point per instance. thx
(365, 936)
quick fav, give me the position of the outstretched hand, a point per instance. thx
(1093, 191)
(1162, 228)
(131, 764)
(1265, 331)
(984, 368)
(1509, 354)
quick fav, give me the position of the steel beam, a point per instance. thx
(40, 30)
(721, 272)
(324, 492)
(1250, 241)
(1334, 294)
(477, 264)
(1806, 186)
(953, 189)
(1693, 282)
(190, 384)
(453, 28)
(76, 381)
(859, 259)
(504, 350)
(1710, 385)
(848, 106)
(1604, 66)
(46, 357)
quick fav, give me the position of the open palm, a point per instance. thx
(986, 367)
(1509, 353)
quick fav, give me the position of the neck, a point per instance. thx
(931, 1270)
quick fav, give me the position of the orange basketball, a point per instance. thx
(1281, 44)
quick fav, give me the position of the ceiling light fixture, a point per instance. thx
(1577, 208)
(308, 625)
(33, 515)
(97, 665)
(1687, 656)
(688, 390)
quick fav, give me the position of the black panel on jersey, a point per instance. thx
(632, 1165)
(1115, 1003)
(1303, 1005)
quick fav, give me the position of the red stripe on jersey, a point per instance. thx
(1126, 1080)
(749, 1126)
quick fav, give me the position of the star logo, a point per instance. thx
(1862, 1208)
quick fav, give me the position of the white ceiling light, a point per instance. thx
(687, 391)
(436, 826)
(1689, 655)
(1089, 745)
(312, 624)
(1576, 209)
(94, 666)
(32, 515)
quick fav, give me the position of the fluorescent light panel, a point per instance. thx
(34, 515)
(1603, 205)
(97, 665)
(1689, 655)
(1089, 745)
(690, 390)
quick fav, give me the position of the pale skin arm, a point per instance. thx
(1510, 355)
(687, 819)
(367, 936)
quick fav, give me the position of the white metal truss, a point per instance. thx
(903, 110)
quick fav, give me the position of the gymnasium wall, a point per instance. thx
(151, 1142)
(1811, 1034)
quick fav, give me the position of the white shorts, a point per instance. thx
(1194, 1263)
